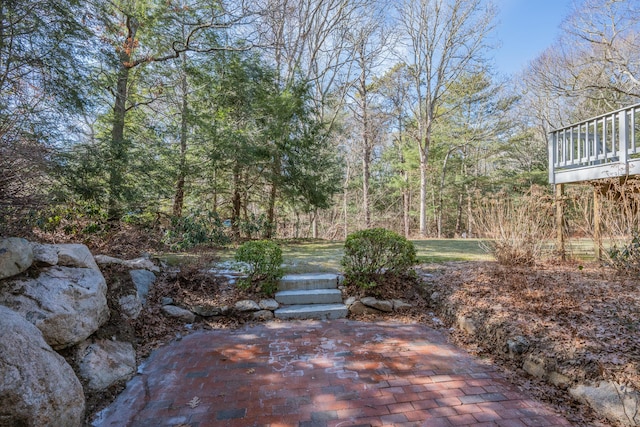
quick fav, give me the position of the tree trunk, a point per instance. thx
(270, 229)
(178, 200)
(365, 187)
(345, 198)
(405, 205)
(314, 224)
(423, 192)
(237, 203)
(118, 147)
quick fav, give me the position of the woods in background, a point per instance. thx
(314, 118)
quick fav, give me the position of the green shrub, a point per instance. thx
(263, 259)
(371, 254)
(196, 228)
(626, 259)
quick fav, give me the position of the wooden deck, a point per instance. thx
(606, 146)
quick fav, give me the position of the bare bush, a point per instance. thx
(518, 227)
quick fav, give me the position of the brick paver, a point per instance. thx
(321, 374)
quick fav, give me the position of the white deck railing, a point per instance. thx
(602, 147)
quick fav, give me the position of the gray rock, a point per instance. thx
(206, 310)
(179, 313)
(104, 362)
(106, 259)
(535, 366)
(141, 263)
(142, 279)
(435, 296)
(381, 305)
(558, 379)
(75, 255)
(517, 345)
(614, 401)
(263, 315)
(37, 386)
(401, 306)
(66, 304)
(45, 254)
(349, 301)
(269, 304)
(130, 305)
(166, 301)
(466, 324)
(359, 308)
(16, 256)
(247, 305)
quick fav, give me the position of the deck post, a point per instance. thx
(597, 226)
(623, 140)
(559, 199)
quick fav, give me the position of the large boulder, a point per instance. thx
(104, 362)
(16, 255)
(37, 386)
(66, 304)
(615, 401)
(76, 255)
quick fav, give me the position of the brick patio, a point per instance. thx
(322, 373)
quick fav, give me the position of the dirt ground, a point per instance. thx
(583, 318)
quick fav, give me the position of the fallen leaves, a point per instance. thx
(194, 403)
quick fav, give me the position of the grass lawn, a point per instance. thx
(324, 256)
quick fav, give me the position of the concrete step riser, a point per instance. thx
(316, 296)
(308, 282)
(315, 311)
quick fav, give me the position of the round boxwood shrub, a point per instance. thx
(371, 254)
(263, 259)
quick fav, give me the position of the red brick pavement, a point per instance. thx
(317, 374)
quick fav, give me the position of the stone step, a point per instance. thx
(308, 281)
(310, 296)
(312, 311)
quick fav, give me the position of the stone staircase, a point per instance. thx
(310, 296)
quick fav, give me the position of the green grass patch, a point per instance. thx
(321, 256)
(443, 250)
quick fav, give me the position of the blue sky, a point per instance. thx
(526, 28)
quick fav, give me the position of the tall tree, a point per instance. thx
(393, 87)
(369, 41)
(132, 30)
(444, 39)
(39, 93)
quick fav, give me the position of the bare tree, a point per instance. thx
(443, 40)
(369, 41)
(307, 39)
(593, 67)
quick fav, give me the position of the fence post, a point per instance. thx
(597, 226)
(553, 143)
(560, 249)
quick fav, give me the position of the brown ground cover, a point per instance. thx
(583, 321)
